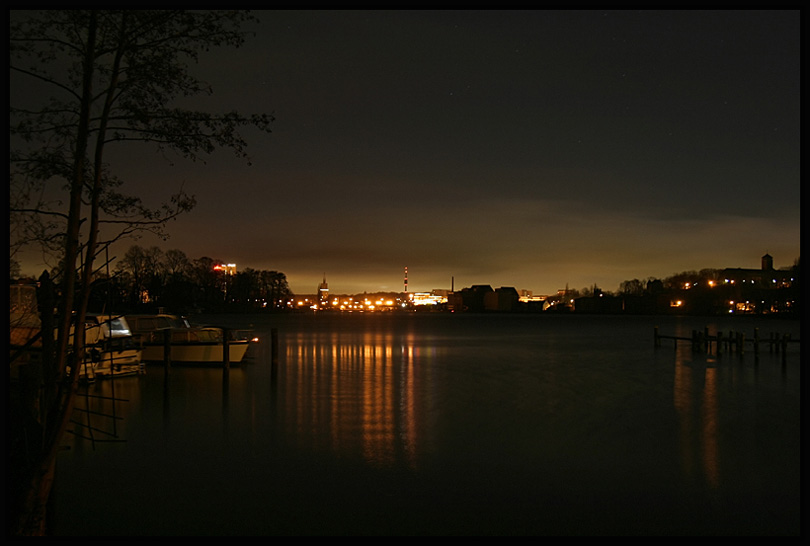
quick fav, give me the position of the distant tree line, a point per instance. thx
(147, 279)
(87, 86)
(703, 292)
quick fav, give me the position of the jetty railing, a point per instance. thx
(733, 342)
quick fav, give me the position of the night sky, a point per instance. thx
(533, 149)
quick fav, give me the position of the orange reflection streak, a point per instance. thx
(377, 412)
(354, 393)
(409, 434)
(695, 401)
(682, 400)
(709, 414)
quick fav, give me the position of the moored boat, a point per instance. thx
(193, 345)
(110, 349)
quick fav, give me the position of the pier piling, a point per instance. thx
(274, 345)
(226, 356)
(702, 340)
(274, 355)
(167, 351)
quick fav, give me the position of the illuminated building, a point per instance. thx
(765, 277)
(764, 290)
(323, 291)
(527, 296)
(228, 269)
(425, 298)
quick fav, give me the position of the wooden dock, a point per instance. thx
(732, 342)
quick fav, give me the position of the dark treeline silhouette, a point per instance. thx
(704, 292)
(149, 279)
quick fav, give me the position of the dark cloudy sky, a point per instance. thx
(531, 149)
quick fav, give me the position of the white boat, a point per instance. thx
(110, 349)
(188, 344)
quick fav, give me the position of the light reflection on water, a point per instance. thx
(453, 425)
(358, 387)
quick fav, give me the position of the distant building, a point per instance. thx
(323, 291)
(426, 298)
(765, 277)
(505, 298)
(227, 269)
(469, 299)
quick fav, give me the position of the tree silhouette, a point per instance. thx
(83, 80)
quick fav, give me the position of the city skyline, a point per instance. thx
(411, 266)
(531, 149)
(325, 284)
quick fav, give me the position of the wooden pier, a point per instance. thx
(732, 342)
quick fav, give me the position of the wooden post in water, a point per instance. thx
(274, 355)
(719, 342)
(226, 356)
(656, 339)
(167, 351)
(274, 345)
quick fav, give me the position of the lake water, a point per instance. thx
(448, 424)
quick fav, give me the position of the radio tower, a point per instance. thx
(406, 279)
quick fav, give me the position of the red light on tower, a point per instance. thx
(406, 280)
(229, 269)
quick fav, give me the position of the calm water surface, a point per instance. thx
(440, 424)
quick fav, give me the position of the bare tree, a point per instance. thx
(177, 264)
(633, 287)
(276, 287)
(141, 265)
(108, 77)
